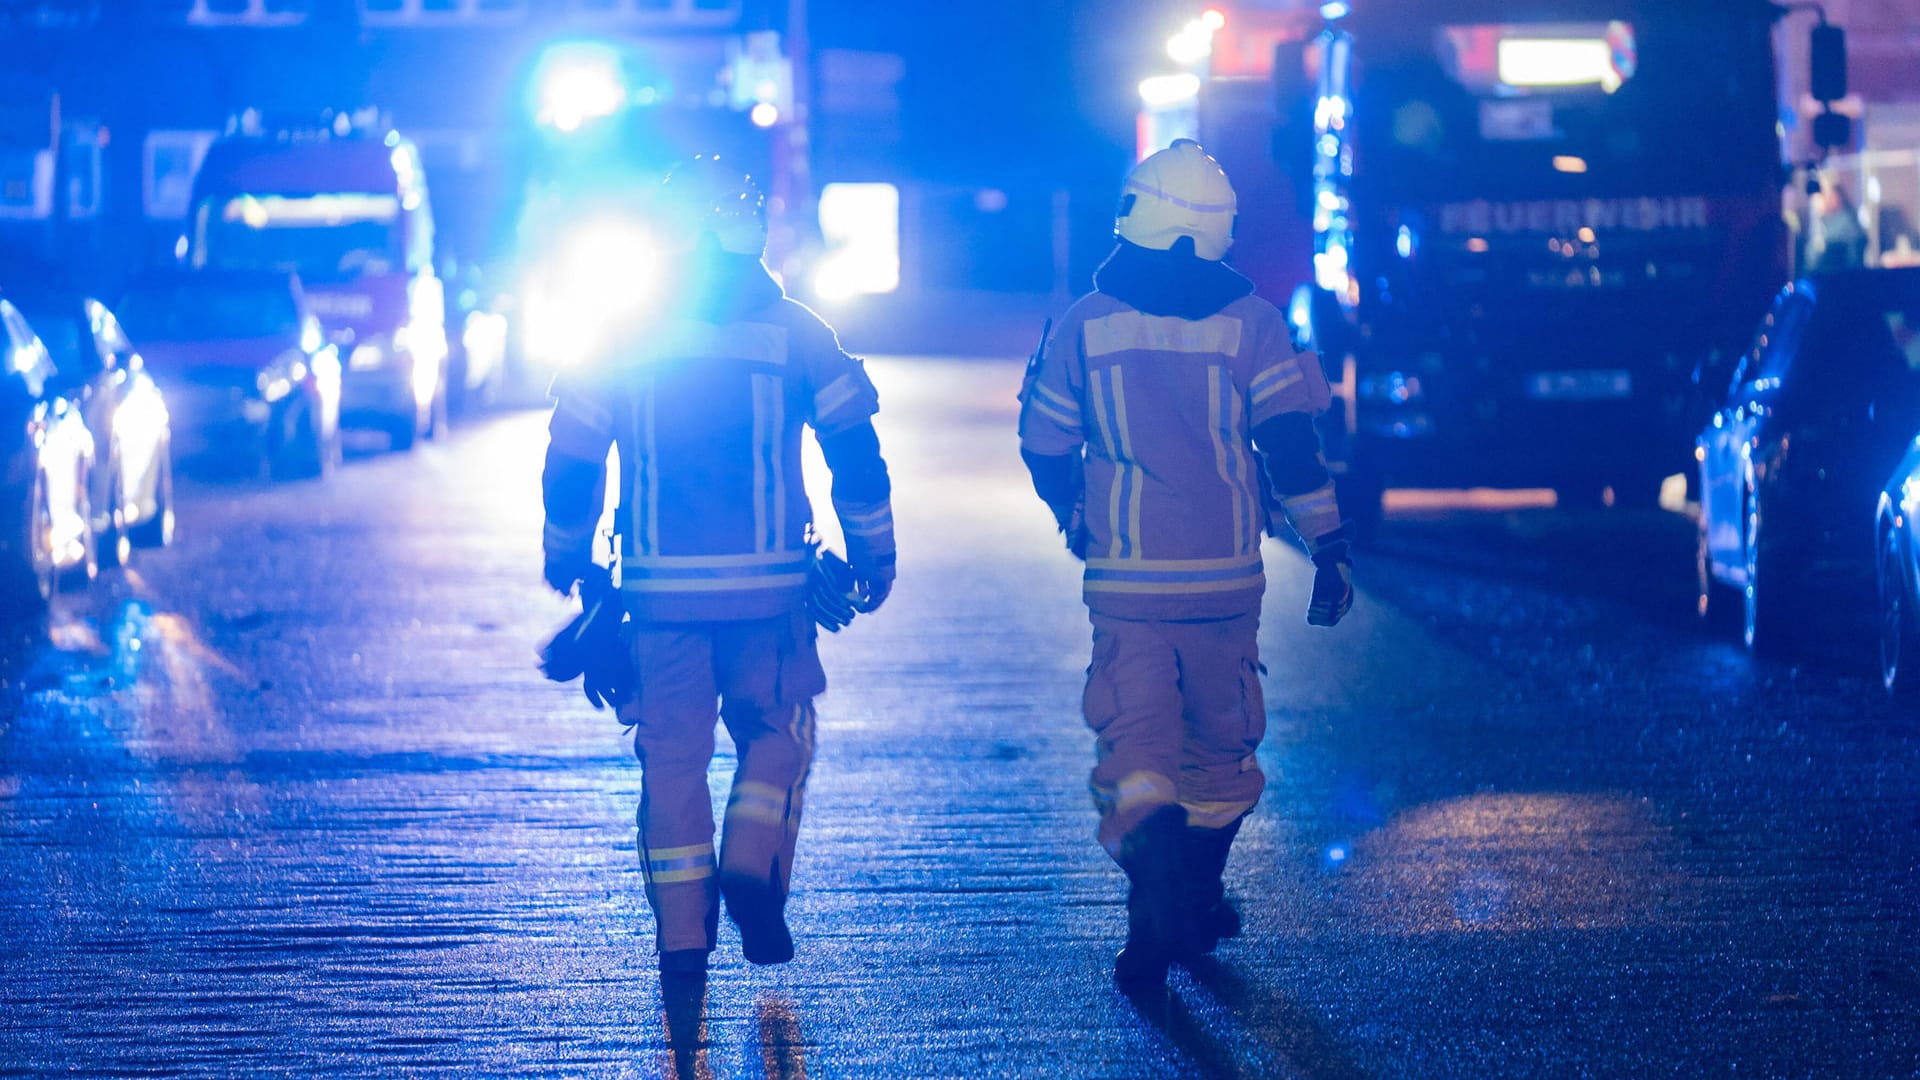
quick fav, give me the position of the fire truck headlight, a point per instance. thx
(595, 287)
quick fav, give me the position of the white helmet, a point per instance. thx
(1178, 192)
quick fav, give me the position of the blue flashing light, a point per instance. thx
(1334, 9)
(578, 82)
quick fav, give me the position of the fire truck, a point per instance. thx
(1511, 230)
(347, 209)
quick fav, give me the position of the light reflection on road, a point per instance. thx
(1520, 861)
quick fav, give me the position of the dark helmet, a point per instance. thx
(707, 195)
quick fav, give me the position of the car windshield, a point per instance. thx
(207, 312)
(320, 237)
(1605, 107)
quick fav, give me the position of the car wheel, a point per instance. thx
(157, 530)
(1769, 592)
(1722, 607)
(1898, 638)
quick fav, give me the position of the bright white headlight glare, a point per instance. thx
(68, 443)
(367, 356)
(595, 285)
(139, 425)
(580, 81)
(424, 376)
(860, 224)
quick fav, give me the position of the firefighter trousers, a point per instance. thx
(1177, 714)
(763, 675)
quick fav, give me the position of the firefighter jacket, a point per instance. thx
(706, 414)
(1162, 407)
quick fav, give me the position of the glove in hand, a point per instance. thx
(1332, 584)
(592, 648)
(831, 590)
(872, 584)
(608, 678)
(1073, 526)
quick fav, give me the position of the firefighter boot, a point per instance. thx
(757, 908)
(1213, 915)
(683, 965)
(1158, 926)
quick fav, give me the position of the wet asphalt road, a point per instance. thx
(291, 798)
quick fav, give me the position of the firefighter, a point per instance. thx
(1163, 417)
(706, 406)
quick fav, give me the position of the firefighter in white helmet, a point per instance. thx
(707, 404)
(1167, 421)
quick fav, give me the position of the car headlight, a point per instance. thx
(595, 286)
(279, 378)
(141, 422)
(368, 355)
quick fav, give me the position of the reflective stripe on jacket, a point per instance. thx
(707, 420)
(1163, 409)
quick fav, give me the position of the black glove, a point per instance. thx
(831, 591)
(1071, 520)
(592, 648)
(609, 680)
(872, 584)
(1332, 581)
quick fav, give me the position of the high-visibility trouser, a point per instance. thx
(764, 675)
(1177, 712)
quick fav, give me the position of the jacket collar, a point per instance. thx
(1169, 283)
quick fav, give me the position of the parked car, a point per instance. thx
(1813, 421)
(249, 377)
(46, 467)
(97, 368)
(1897, 577)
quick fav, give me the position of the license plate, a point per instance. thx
(1580, 385)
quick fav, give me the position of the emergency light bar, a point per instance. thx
(1558, 62)
(578, 82)
(271, 211)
